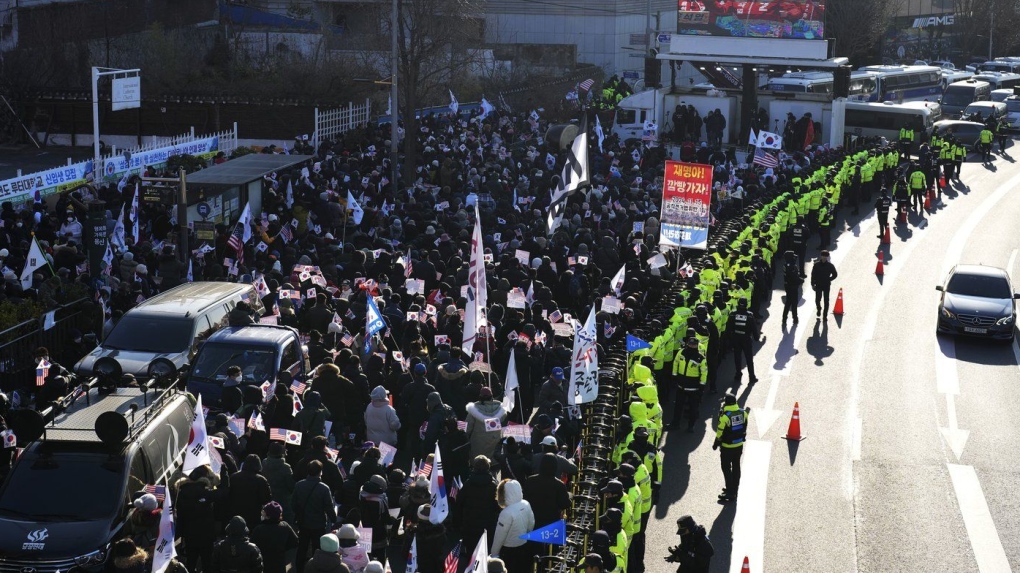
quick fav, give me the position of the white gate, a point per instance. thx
(334, 122)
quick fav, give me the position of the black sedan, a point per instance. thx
(977, 300)
(967, 133)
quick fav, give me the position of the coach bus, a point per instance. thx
(905, 83)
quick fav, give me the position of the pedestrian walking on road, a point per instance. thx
(730, 434)
(744, 328)
(792, 279)
(823, 273)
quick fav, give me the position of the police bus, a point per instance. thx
(862, 85)
(867, 119)
(905, 83)
(999, 80)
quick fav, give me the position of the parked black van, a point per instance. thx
(70, 492)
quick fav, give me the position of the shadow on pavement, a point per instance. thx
(818, 343)
(721, 534)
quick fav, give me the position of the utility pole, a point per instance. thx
(395, 98)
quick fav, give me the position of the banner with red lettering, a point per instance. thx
(686, 204)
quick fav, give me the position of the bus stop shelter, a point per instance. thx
(219, 193)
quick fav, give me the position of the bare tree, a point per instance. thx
(433, 37)
(983, 23)
(856, 26)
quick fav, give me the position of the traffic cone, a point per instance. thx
(793, 433)
(901, 216)
(746, 567)
(927, 201)
(838, 309)
(887, 238)
(880, 267)
(942, 180)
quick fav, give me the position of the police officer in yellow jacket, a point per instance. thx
(986, 138)
(730, 435)
(690, 369)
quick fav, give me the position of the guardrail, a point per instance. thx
(18, 343)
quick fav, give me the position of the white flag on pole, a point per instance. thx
(290, 194)
(584, 365)
(479, 562)
(35, 260)
(454, 106)
(617, 283)
(357, 213)
(477, 293)
(574, 176)
(118, 231)
(487, 108)
(599, 133)
(245, 220)
(437, 489)
(752, 139)
(412, 557)
(164, 551)
(510, 391)
(197, 453)
(135, 216)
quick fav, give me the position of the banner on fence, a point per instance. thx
(56, 180)
(686, 204)
(117, 167)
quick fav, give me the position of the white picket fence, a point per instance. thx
(329, 124)
(227, 142)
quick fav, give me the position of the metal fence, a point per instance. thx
(331, 123)
(18, 343)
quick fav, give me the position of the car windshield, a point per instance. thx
(38, 487)
(958, 97)
(257, 365)
(984, 110)
(1013, 106)
(148, 334)
(983, 286)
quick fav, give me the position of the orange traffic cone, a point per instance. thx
(838, 309)
(887, 238)
(942, 180)
(794, 432)
(746, 567)
(927, 201)
(880, 267)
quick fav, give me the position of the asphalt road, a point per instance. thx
(910, 461)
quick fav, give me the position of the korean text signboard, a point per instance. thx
(686, 204)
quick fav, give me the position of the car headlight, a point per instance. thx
(1005, 320)
(97, 557)
(947, 314)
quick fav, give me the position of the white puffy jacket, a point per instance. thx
(515, 520)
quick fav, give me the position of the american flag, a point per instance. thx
(452, 560)
(455, 487)
(462, 425)
(286, 234)
(407, 265)
(298, 387)
(235, 241)
(426, 470)
(765, 159)
(157, 490)
(278, 434)
(586, 84)
(42, 370)
(609, 330)
(347, 339)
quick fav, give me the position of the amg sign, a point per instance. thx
(926, 21)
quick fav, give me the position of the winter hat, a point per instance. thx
(374, 567)
(329, 543)
(142, 270)
(485, 394)
(376, 484)
(129, 256)
(236, 526)
(378, 393)
(147, 502)
(349, 533)
(424, 511)
(273, 511)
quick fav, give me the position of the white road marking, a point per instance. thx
(768, 415)
(749, 522)
(1009, 265)
(947, 381)
(954, 436)
(984, 538)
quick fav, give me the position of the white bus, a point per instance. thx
(999, 80)
(867, 119)
(905, 83)
(862, 85)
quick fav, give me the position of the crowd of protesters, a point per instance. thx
(412, 386)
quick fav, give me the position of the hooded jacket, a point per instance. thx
(325, 562)
(381, 423)
(281, 483)
(484, 442)
(515, 520)
(235, 554)
(134, 563)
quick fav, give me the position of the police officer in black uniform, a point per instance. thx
(798, 241)
(882, 206)
(744, 328)
(792, 280)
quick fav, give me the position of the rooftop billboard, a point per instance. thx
(800, 19)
